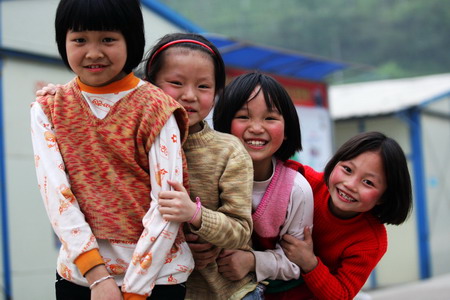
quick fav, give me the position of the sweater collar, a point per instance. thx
(127, 83)
(199, 139)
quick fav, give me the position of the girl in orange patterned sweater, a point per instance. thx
(105, 145)
(365, 184)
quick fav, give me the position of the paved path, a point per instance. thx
(437, 288)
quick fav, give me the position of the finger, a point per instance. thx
(191, 237)
(289, 239)
(226, 253)
(177, 186)
(50, 89)
(201, 247)
(308, 235)
(221, 262)
(167, 195)
(210, 255)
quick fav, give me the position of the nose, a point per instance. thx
(256, 127)
(189, 94)
(94, 52)
(351, 183)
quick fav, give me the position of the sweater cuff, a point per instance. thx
(315, 277)
(209, 222)
(131, 296)
(88, 260)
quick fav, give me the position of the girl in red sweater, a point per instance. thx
(365, 184)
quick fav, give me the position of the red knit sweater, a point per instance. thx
(348, 250)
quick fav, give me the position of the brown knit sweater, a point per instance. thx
(221, 174)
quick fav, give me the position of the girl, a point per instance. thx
(365, 184)
(257, 109)
(190, 69)
(105, 145)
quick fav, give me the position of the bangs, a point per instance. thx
(100, 16)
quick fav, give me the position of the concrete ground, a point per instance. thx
(436, 288)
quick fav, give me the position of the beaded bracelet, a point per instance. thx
(100, 280)
(199, 206)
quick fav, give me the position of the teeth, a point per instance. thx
(94, 67)
(346, 197)
(256, 143)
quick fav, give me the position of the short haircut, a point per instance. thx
(396, 202)
(155, 59)
(124, 16)
(238, 93)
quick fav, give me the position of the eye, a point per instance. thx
(273, 115)
(368, 182)
(108, 40)
(175, 82)
(347, 169)
(241, 116)
(79, 40)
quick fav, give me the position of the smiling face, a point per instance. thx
(261, 131)
(357, 185)
(97, 57)
(187, 75)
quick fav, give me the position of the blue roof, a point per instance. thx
(244, 55)
(248, 56)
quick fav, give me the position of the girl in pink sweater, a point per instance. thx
(259, 111)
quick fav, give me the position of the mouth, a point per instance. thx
(94, 67)
(346, 197)
(256, 143)
(189, 109)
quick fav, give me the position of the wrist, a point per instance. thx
(311, 265)
(196, 219)
(252, 260)
(96, 273)
(99, 281)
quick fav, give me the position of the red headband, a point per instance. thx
(179, 42)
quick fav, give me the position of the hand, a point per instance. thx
(105, 290)
(50, 89)
(177, 206)
(236, 264)
(300, 252)
(204, 253)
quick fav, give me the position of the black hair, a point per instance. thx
(154, 59)
(396, 202)
(239, 91)
(124, 16)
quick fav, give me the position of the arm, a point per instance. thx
(354, 266)
(230, 225)
(61, 204)
(274, 264)
(158, 236)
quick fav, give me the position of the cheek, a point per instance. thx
(237, 129)
(277, 134)
(373, 197)
(207, 102)
(334, 177)
(170, 91)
